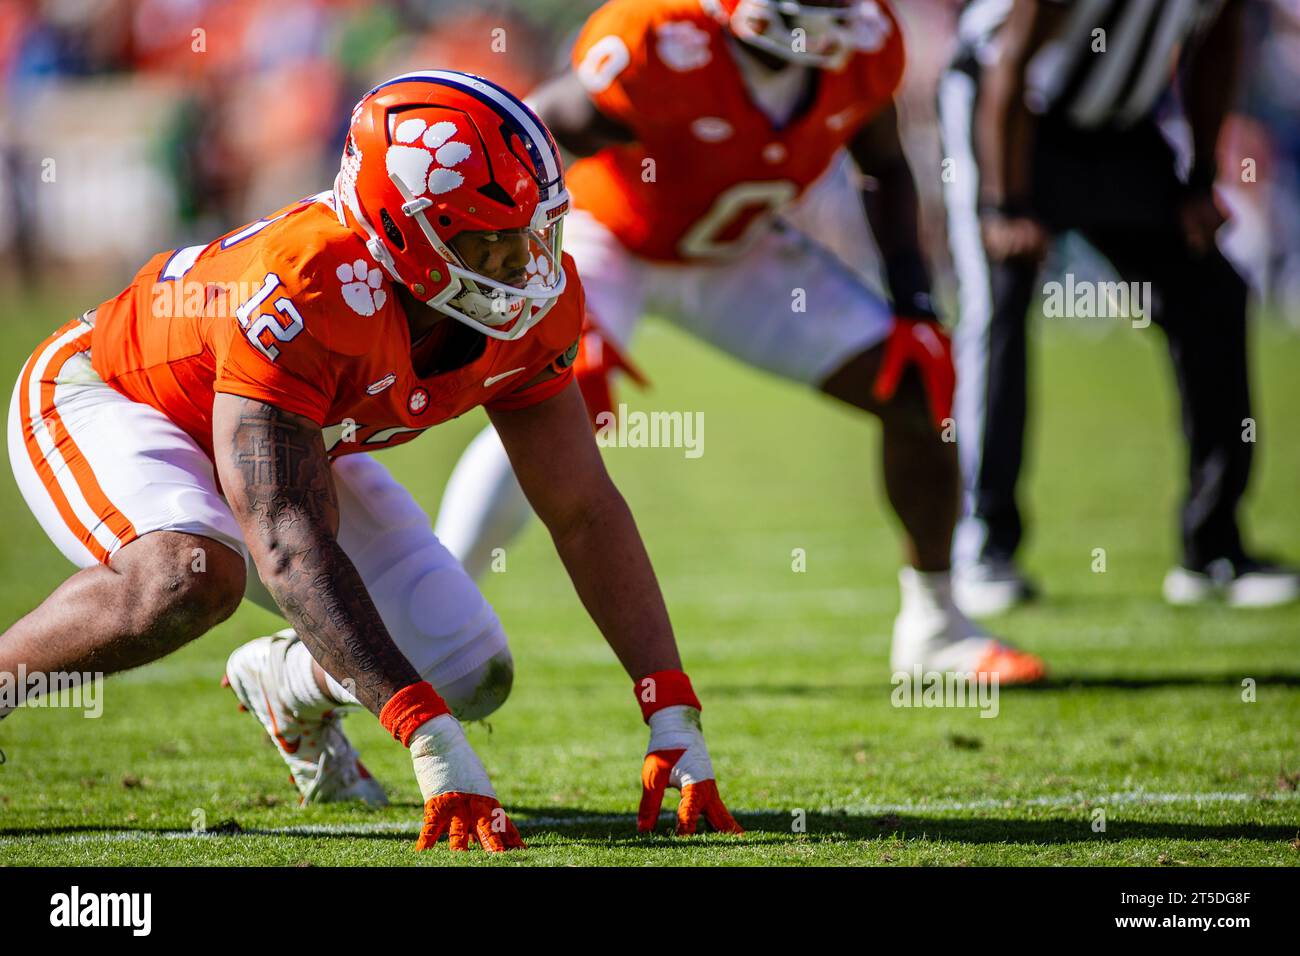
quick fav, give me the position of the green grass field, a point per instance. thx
(1144, 718)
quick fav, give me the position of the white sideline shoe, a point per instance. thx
(324, 766)
(1247, 583)
(991, 587)
(931, 634)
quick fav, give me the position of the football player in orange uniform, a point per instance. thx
(701, 126)
(222, 409)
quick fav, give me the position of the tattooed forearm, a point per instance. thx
(284, 469)
(324, 598)
(276, 476)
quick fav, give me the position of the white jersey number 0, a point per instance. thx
(761, 199)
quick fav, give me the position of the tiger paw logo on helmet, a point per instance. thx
(411, 163)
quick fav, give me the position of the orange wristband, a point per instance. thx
(410, 707)
(663, 689)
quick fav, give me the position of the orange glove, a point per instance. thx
(458, 796)
(701, 798)
(677, 757)
(925, 345)
(468, 818)
(598, 359)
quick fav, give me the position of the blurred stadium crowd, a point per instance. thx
(164, 122)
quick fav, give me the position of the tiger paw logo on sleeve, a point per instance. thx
(362, 287)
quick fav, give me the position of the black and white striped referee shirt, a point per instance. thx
(1109, 66)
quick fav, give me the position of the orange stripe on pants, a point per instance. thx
(77, 465)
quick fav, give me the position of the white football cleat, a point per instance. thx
(932, 634)
(991, 587)
(1246, 583)
(324, 766)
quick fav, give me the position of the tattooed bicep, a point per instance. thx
(273, 465)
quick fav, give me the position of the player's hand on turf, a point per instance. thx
(458, 797)
(677, 757)
(468, 818)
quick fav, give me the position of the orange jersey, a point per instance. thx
(292, 311)
(708, 166)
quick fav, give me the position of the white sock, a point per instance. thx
(926, 592)
(302, 694)
(483, 508)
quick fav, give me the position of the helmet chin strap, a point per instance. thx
(534, 308)
(485, 308)
(495, 305)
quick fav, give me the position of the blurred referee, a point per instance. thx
(1048, 115)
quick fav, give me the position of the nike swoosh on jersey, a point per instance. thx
(493, 379)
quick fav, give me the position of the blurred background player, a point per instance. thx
(1051, 115)
(698, 125)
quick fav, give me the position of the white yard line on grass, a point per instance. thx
(1126, 798)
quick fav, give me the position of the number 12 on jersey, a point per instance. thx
(282, 326)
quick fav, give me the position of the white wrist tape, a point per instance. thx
(445, 761)
(678, 728)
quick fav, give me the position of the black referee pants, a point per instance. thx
(1121, 192)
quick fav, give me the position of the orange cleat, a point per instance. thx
(1011, 666)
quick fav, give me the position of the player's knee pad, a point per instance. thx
(433, 610)
(483, 690)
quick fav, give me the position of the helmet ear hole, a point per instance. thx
(391, 231)
(444, 221)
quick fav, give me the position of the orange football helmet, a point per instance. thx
(431, 154)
